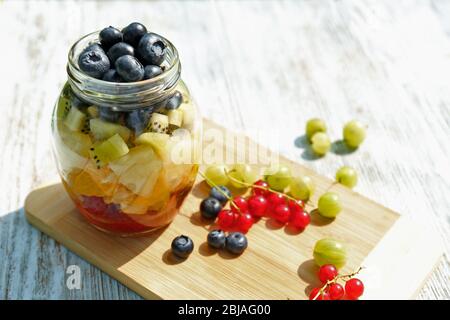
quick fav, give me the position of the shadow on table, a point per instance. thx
(16, 218)
(303, 143)
(200, 190)
(307, 271)
(318, 220)
(338, 147)
(25, 247)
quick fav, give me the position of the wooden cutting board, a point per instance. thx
(278, 262)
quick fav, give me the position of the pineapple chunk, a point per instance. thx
(138, 170)
(189, 115)
(72, 149)
(103, 130)
(157, 140)
(175, 118)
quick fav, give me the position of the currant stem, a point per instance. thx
(351, 275)
(220, 190)
(334, 280)
(258, 187)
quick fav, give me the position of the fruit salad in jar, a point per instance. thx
(125, 130)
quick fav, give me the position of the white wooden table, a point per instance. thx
(250, 64)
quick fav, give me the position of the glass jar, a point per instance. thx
(125, 152)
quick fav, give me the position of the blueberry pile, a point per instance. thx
(235, 242)
(130, 55)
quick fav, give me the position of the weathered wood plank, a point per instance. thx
(250, 65)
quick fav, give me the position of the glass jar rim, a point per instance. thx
(122, 95)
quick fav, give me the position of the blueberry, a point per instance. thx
(108, 114)
(182, 246)
(215, 193)
(217, 239)
(210, 208)
(94, 63)
(110, 36)
(93, 47)
(129, 68)
(152, 49)
(112, 76)
(133, 33)
(236, 242)
(152, 71)
(118, 50)
(174, 101)
(137, 120)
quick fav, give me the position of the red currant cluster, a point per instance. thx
(263, 202)
(332, 290)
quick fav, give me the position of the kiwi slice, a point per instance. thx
(63, 108)
(75, 119)
(109, 150)
(86, 129)
(158, 123)
(103, 130)
(175, 119)
(92, 112)
(157, 141)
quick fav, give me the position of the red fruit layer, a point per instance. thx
(113, 221)
(109, 217)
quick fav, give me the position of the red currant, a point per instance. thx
(336, 291)
(296, 206)
(240, 203)
(225, 219)
(274, 199)
(244, 222)
(281, 213)
(327, 272)
(300, 219)
(354, 288)
(314, 295)
(257, 205)
(259, 190)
